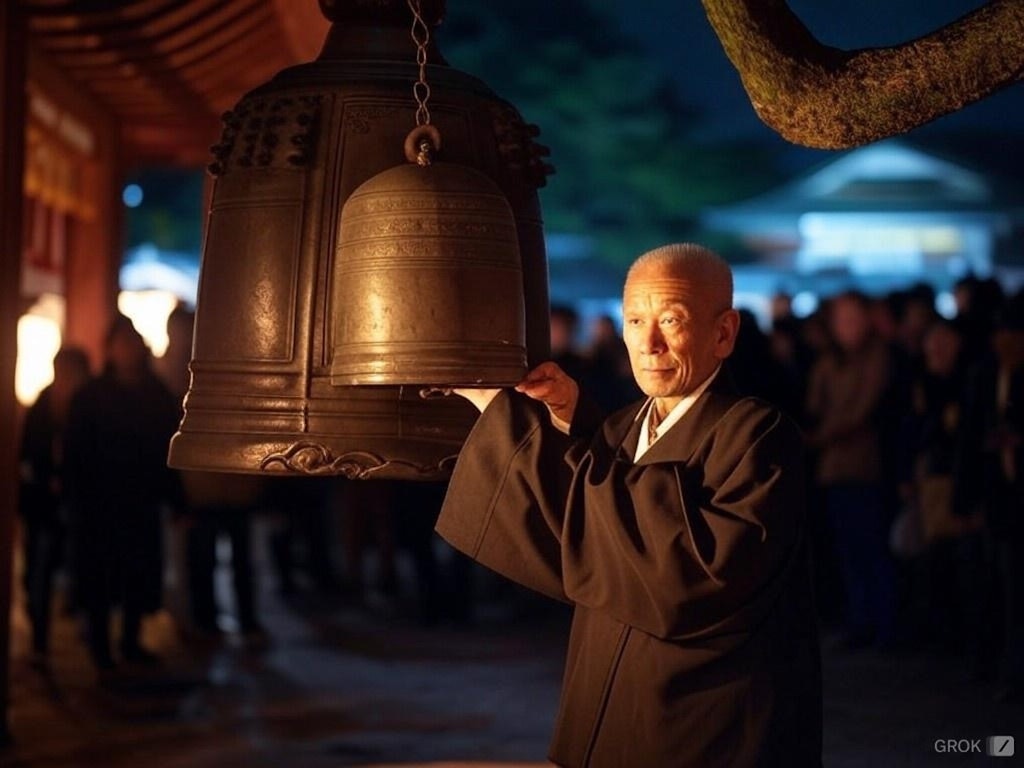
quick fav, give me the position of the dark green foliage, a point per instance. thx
(630, 174)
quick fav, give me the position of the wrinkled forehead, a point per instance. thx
(658, 288)
(662, 287)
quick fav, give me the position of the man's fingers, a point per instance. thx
(552, 386)
(544, 389)
(534, 385)
(533, 378)
(547, 370)
(544, 374)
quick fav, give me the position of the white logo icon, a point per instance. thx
(999, 746)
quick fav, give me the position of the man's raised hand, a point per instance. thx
(554, 387)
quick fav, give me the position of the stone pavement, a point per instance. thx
(331, 685)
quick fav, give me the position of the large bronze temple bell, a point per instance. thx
(340, 284)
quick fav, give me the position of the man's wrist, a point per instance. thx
(560, 424)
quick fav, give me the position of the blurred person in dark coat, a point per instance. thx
(939, 580)
(847, 389)
(994, 480)
(216, 506)
(978, 302)
(607, 378)
(41, 492)
(755, 370)
(119, 427)
(565, 323)
(221, 506)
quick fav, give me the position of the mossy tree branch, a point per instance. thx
(818, 96)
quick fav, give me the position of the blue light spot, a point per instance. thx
(804, 303)
(132, 195)
(945, 305)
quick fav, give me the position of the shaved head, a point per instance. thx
(691, 262)
(678, 320)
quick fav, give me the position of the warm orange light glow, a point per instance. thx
(148, 311)
(39, 338)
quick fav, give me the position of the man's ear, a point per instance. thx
(725, 333)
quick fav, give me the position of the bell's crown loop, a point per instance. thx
(422, 143)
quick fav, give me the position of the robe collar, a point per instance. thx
(680, 442)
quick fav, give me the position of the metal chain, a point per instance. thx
(421, 36)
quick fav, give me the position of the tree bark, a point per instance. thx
(818, 96)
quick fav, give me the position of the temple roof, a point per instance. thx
(167, 69)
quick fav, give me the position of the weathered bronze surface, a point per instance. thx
(292, 152)
(429, 275)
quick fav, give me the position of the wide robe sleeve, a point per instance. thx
(693, 547)
(506, 499)
(696, 540)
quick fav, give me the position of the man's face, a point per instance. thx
(676, 331)
(849, 322)
(127, 351)
(941, 350)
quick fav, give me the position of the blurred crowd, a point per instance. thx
(913, 423)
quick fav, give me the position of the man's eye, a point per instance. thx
(670, 320)
(633, 321)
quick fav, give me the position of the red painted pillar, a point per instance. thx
(12, 160)
(93, 257)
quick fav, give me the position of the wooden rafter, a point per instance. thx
(167, 68)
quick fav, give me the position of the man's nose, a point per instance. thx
(652, 342)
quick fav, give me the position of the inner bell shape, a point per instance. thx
(428, 285)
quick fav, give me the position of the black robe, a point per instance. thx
(694, 640)
(115, 453)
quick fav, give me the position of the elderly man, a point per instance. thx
(676, 528)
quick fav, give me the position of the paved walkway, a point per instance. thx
(335, 686)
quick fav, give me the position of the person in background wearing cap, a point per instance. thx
(676, 528)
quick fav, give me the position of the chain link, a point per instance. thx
(421, 36)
